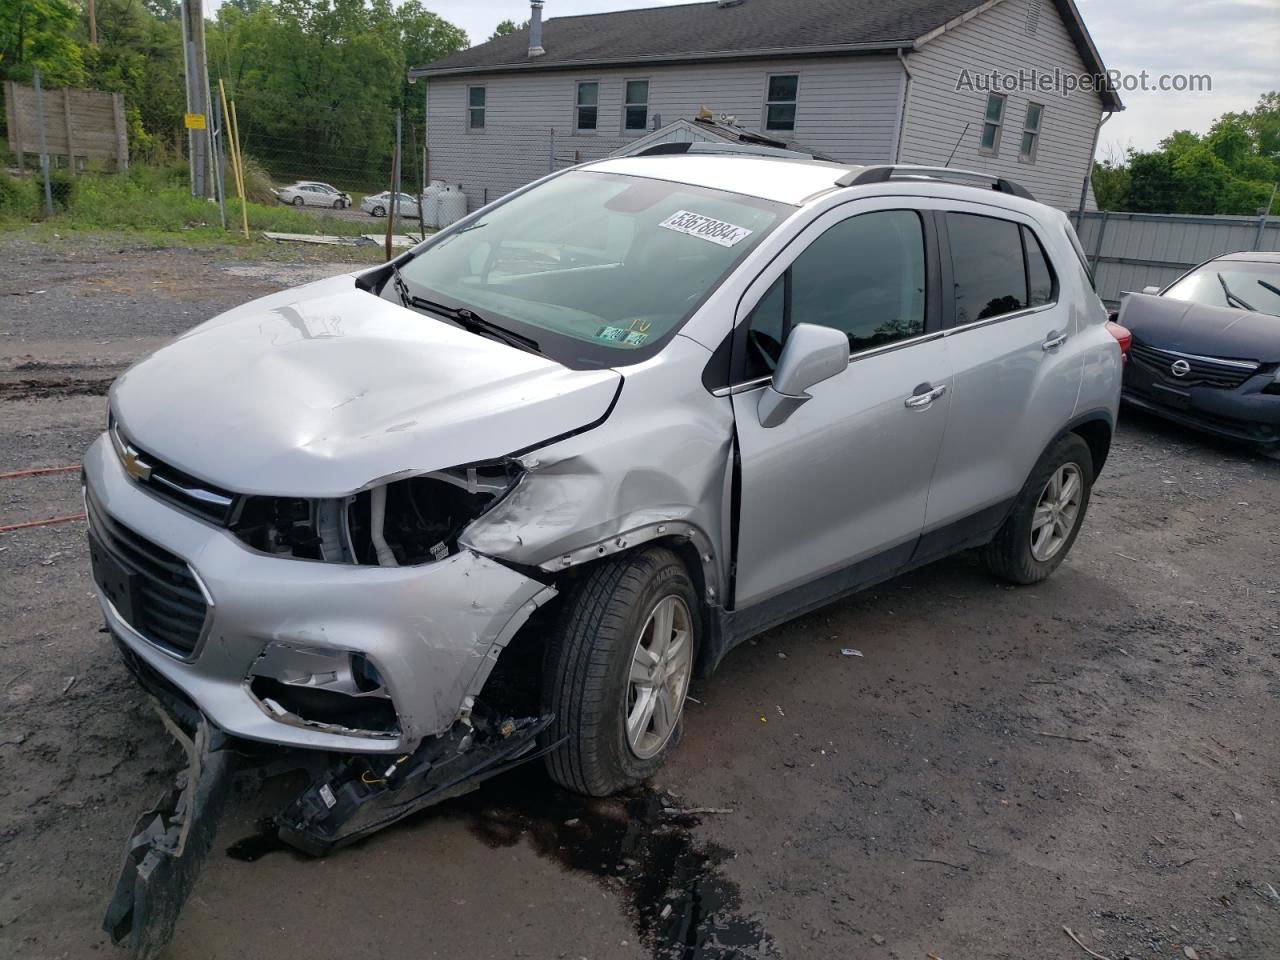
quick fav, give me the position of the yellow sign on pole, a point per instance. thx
(193, 121)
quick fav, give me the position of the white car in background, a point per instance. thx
(378, 205)
(311, 193)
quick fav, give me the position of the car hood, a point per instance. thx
(321, 390)
(1201, 329)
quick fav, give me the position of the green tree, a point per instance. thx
(508, 27)
(40, 33)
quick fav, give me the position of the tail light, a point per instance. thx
(1123, 337)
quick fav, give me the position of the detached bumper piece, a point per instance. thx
(170, 841)
(359, 795)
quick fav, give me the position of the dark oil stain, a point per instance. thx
(679, 900)
(258, 845)
(673, 888)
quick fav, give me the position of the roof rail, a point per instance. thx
(886, 172)
(701, 146)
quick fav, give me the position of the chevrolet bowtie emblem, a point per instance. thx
(133, 466)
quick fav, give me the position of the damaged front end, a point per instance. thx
(349, 796)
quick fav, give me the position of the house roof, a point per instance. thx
(738, 30)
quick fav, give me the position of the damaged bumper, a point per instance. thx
(357, 659)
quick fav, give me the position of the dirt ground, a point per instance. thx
(1099, 752)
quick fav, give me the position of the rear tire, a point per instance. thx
(603, 640)
(297, 201)
(1044, 522)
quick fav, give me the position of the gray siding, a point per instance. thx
(848, 107)
(998, 39)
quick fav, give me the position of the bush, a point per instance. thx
(62, 189)
(17, 198)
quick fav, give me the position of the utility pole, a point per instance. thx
(196, 73)
(44, 151)
(93, 25)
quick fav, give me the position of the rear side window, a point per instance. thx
(986, 256)
(865, 277)
(1039, 273)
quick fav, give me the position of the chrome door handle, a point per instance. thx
(919, 400)
(1055, 340)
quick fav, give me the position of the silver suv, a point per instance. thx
(516, 488)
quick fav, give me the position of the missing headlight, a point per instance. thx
(421, 518)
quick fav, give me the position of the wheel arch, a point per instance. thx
(1096, 430)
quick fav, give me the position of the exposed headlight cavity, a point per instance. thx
(411, 521)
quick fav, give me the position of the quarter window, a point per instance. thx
(865, 277)
(588, 104)
(999, 266)
(1031, 132)
(635, 108)
(780, 102)
(992, 123)
(475, 107)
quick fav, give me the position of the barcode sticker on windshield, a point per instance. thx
(705, 228)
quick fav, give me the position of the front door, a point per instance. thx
(846, 477)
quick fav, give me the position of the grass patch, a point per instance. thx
(157, 201)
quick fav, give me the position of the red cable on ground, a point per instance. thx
(38, 470)
(40, 523)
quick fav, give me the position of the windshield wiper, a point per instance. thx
(470, 320)
(402, 288)
(1269, 286)
(1232, 297)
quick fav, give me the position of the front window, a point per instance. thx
(636, 108)
(993, 121)
(599, 269)
(865, 277)
(1241, 284)
(780, 102)
(588, 104)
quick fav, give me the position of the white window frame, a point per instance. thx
(1024, 155)
(625, 105)
(994, 149)
(578, 105)
(795, 118)
(484, 110)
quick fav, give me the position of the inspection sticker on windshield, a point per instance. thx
(705, 228)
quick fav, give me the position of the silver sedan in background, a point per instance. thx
(379, 204)
(312, 193)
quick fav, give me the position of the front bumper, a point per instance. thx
(1244, 414)
(433, 631)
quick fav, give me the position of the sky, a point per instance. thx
(1235, 42)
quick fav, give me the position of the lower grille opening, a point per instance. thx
(327, 707)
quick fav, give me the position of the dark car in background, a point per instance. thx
(1206, 349)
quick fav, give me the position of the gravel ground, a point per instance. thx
(1098, 752)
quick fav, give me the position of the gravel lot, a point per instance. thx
(1099, 752)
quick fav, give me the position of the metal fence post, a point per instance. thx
(1097, 242)
(1262, 220)
(44, 152)
(551, 151)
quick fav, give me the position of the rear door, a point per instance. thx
(1017, 370)
(846, 477)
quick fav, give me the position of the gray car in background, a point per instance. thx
(312, 193)
(513, 491)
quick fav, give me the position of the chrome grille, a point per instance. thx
(168, 482)
(1200, 371)
(167, 605)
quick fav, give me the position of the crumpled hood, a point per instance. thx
(319, 390)
(1202, 329)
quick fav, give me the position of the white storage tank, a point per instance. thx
(431, 204)
(452, 204)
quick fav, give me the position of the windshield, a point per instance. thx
(1232, 283)
(598, 269)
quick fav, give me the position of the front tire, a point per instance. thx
(1046, 516)
(338, 204)
(378, 212)
(617, 671)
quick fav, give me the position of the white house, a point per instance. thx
(1010, 87)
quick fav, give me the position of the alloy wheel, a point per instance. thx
(1056, 512)
(658, 678)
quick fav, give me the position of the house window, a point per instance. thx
(780, 102)
(992, 123)
(635, 108)
(475, 108)
(1031, 133)
(588, 98)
